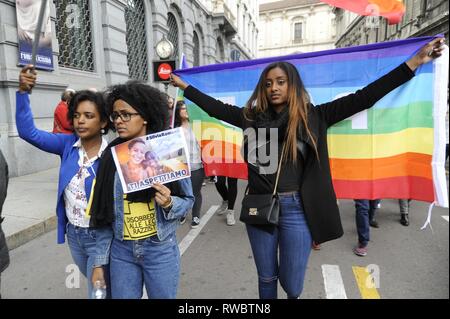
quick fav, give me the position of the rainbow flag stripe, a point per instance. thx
(392, 150)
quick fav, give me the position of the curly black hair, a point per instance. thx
(94, 97)
(148, 101)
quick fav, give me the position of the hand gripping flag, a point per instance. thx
(392, 10)
(393, 150)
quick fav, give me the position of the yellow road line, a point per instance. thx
(365, 283)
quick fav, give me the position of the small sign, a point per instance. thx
(162, 70)
(156, 158)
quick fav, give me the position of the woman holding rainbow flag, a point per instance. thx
(308, 208)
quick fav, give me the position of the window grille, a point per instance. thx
(74, 34)
(173, 35)
(298, 32)
(136, 37)
(196, 49)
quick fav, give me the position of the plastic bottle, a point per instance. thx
(99, 290)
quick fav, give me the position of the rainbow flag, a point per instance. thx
(392, 150)
(392, 10)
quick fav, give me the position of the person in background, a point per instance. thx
(365, 214)
(170, 106)
(195, 159)
(61, 123)
(227, 188)
(403, 204)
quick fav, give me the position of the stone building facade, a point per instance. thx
(293, 26)
(97, 43)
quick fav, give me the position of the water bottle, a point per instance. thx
(99, 290)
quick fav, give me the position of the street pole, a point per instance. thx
(166, 87)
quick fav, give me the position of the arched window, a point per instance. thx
(298, 32)
(173, 34)
(73, 31)
(196, 42)
(136, 38)
(220, 50)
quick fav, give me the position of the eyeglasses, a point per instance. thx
(123, 116)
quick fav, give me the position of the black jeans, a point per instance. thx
(229, 194)
(197, 177)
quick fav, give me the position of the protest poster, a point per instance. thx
(156, 158)
(27, 13)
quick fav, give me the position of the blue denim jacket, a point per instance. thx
(166, 222)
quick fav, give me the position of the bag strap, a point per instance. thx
(278, 170)
(278, 173)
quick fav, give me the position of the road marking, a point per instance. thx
(193, 233)
(445, 217)
(365, 283)
(334, 285)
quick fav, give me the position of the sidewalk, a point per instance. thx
(30, 207)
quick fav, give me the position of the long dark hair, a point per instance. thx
(298, 103)
(178, 121)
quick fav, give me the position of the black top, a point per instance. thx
(316, 187)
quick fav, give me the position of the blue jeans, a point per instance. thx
(293, 241)
(365, 211)
(81, 242)
(150, 261)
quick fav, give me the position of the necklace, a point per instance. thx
(88, 162)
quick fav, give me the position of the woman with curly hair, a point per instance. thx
(80, 153)
(140, 226)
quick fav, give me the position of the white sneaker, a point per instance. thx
(230, 217)
(223, 207)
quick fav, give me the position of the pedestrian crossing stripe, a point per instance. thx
(445, 217)
(334, 285)
(365, 283)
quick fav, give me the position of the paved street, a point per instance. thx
(406, 262)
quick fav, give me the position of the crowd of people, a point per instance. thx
(96, 216)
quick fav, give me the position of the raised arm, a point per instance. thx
(215, 108)
(48, 142)
(365, 98)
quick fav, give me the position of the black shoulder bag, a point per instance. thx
(262, 209)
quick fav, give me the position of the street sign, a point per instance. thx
(162, 70)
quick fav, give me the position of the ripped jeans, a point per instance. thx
(292, 241)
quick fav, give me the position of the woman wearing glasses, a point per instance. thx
(79, 153)
(143, 252)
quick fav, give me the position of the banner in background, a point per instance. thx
(392, 10)
(27, 17)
